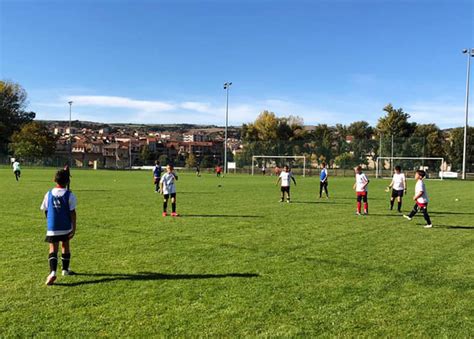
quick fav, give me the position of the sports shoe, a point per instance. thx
(428, 226)
(357, 213)
(67, 272)
(51, 278)
(174, 214)
(407, 217)
(164, 214)
(281, 200)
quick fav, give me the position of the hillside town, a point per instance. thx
(125, 146)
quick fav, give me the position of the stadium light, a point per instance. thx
(70, 141)
(470, 53)
(226, 87)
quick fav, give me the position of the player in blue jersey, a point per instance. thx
(59, 205)
(323, 181)
(157, 176)
(168, 189)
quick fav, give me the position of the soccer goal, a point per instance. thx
(434, 167)
(272, 162)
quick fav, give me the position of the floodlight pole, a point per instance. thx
(226, 87)
(470, 53)
(70, 140)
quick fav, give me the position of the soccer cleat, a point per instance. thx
(428, 226)
(68, 272)
(164, 214)
(281, 200)
(174, 214)
(51, 278)
(407, 217)
(357, 213)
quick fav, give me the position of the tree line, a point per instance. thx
(339, 145)
(354, 144)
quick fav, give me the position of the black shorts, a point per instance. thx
(285, 189)
(57, 238)
(167, 196)
(397, 193)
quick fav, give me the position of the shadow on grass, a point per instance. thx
(393, 215)
(74, 190)
(219, 216)
(454, 227)
(149, 276)
(197, 192)
(322, 202)
(460, 213)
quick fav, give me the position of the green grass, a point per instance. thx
(237, 263)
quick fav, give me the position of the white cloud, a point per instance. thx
(119, 102)
(444, 114)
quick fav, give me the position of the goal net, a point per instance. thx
(433, 167)
(271, 164)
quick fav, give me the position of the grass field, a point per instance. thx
(237, 262)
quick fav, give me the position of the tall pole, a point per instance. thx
(70, 132)
(226, 87)
(470, 53)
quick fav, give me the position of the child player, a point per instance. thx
(421, 199)
(360, 187)
(157, 176)
(323, 181)
(285, 177)
(16, 170)
(398, 186)
(168, 189)
(59, 205)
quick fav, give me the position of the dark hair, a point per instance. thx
(61, 178)
(398, 168)
(157, 162)
(421, 173)
(359, 168)
(171, 166)
(323, 164)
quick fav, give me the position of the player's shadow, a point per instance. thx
(457, 213)
(197, 193)
(454, 227)
(321, 202)
(149, 276)
(219, 216)
(92, 190)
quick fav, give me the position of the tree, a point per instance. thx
(455, 148)
(191, 160)
(362, 144)
(163, 159)
(395, 123)
(13, 114)
(145, 155)
(33, 140)
(430, 140)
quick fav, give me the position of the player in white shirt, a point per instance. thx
(285, 178)
(398, 186)
(360, 187)
(421, 199)
(168, 190)
(16, 170)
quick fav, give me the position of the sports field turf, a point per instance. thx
(237, 262)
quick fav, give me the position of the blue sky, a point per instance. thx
(165, 61)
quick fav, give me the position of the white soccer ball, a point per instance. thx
(456, 199)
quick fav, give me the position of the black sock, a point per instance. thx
(391, 204)
(66, 258)
(53, 261)
(426, 216)
(165, 205)
(173, 207)
(414, 211)
(399, 206)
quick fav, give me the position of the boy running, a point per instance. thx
(16, 170)
(323, 181)
(398, 186)
(59, 206)
(168, 189)
(421, 199)
(360, 187)
(157, 176)
(285, 177)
